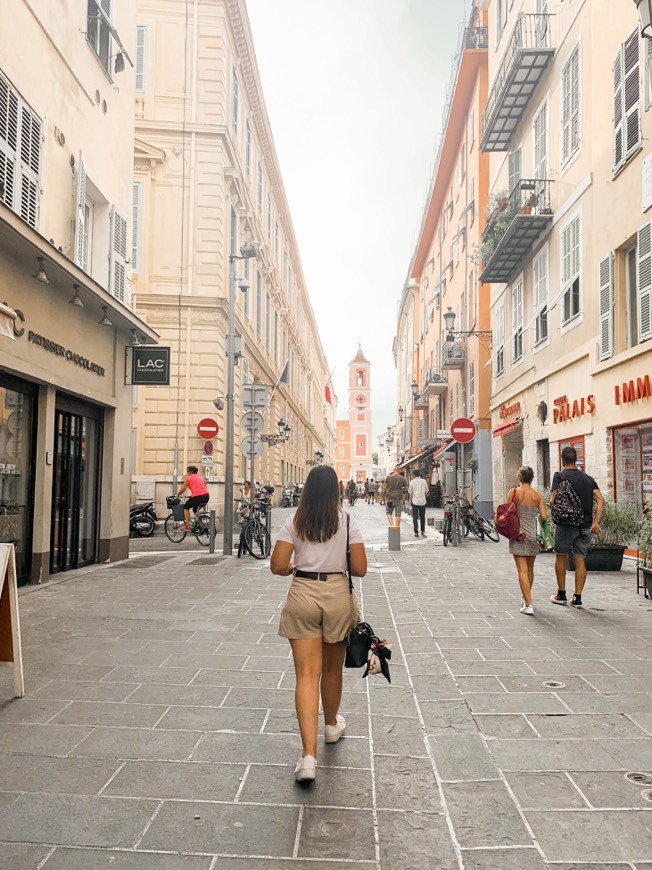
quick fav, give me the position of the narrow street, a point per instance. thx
(158, 729)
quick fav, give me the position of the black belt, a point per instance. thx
(315, 575)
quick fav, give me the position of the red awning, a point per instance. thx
(418, 456)
(506, 428)
(444, 447)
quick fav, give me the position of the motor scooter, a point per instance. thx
(142, 520)
(286, 497)
(296, 495)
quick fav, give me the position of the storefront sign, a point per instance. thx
(150, 365)
(69, 355)
(507, 410)
(632, 392)
(565, 410)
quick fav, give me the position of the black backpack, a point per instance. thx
(567, 510)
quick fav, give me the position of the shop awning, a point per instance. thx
(424, 453)
(506, 428)
(444, 447)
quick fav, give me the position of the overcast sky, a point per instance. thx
(354, 90)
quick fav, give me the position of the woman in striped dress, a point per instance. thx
(529, 504)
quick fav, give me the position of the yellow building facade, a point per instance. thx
(206, 181)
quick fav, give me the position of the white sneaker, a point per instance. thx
(306, 769)
(332, 733)
(527, 608)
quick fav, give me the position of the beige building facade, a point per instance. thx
(206, 181)
(65, 323)
(568, 247)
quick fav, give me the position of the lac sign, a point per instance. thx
(150, 366)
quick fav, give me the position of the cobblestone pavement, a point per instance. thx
(158, 729)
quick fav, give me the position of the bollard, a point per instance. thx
(394, 537)
(211, 534)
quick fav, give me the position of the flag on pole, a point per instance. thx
(283, 379)
(327, 394)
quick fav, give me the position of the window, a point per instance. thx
(234, 102)
(248, 146)
(118, 257)
(517, 321)
(514, 168)
(644, 282)
(627, 110)
(259, 194)
(259, 305)
(276, 240)
(571, 262)
(20, 155)
(268, 318)
(541, 143)
(233, 243)
(570, 123)
(141, 59)
(98, 30)
(472, 127)
(269, 216)
(471, 201)
(136, 229)
(605, 284)
(245, 296)
(648, 74)
(540, 277)
(501, 15)
(499, 335)
(472, 389)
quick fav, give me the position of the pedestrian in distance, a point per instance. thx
(395, 488)
(574, 495)
(529, 505)
(318, 612)
(365, 489)
(373, 488)
(341, 488)
(418, 490)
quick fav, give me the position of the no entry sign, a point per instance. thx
(207, 428)
(463, 430)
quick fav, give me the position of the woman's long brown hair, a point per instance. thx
(318, 517)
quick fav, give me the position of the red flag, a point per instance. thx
(327, 394)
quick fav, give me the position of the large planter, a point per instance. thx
(647, 576)
(601, 558)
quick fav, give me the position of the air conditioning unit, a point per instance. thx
(437, 378)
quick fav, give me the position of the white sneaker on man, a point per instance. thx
(332, 733)
(306, 769)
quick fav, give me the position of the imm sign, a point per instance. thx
(150, 366)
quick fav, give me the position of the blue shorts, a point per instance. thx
(570, 539)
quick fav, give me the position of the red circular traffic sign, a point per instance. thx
(463, 430)
(207, 428)
(208, 447)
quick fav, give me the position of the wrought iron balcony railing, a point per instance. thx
(453, 355)
(526, 57)
(476, 37)
(513, 227)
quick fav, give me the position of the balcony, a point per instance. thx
(476, 38)
(453, 355)
(421, 403)
(512, 228)
(436, 383)
(527, 55)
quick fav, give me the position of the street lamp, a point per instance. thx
(247, 251)
(645, 14)
(283, 434)
(452, 333)
(401, 411)
(415, 389)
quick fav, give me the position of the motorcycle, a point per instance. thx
(296, 495)
(286, 497)
(142, 520)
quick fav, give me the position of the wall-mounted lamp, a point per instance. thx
(76, 299)
(645, 14)
(104, 321)
(119, 63)
(415, 389)
(134, 338)
(40, 274)
(401, 411)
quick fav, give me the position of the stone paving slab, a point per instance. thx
(159, 727)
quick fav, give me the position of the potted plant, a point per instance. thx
(618, 527)
(644, 547)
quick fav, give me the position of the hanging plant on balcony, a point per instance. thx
(497, 202)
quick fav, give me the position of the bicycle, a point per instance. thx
(452, 525)
(254, 535)
(487, 526)
(200, 524)
(470, 521)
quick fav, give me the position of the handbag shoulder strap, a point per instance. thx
(348, 556)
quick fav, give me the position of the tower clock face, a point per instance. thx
(360, 401)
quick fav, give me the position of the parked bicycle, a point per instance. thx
(254, 534)
(200, 524)
(452, 528)
(487, 526)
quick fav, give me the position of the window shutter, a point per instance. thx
(514, 169)
(8, 142)
(135, 227)
(541, 143)
(606, 307)
(30, 165)
(644, 275)
(80, 212)
(141, 59)
(632, 95)
(618, 110)
(570, 106)
(106, 6)
(118, 257)
(648, 74)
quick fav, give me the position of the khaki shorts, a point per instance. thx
(317, 608)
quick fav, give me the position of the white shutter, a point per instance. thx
(514, 165)
(570, 106)
(648, 73)
(618, 110)
(632, 95)
(606, 307)
(541, 143)
(80, 212)
(644, 282)
(30, 165)
(136, 226)
(8, 142)
(118, 257)
(141, 58)
(106, 6)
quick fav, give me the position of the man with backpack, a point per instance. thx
(573, 496)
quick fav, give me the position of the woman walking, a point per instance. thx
(529, 504)
(317, 614)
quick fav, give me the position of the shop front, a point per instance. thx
(65, 411)
(507, 438)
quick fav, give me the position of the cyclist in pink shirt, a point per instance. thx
(198, 494)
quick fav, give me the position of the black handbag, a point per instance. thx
(361, 640)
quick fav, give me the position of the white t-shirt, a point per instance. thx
(418, 489)
(329, 557)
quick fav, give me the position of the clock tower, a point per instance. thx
(360, 417)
